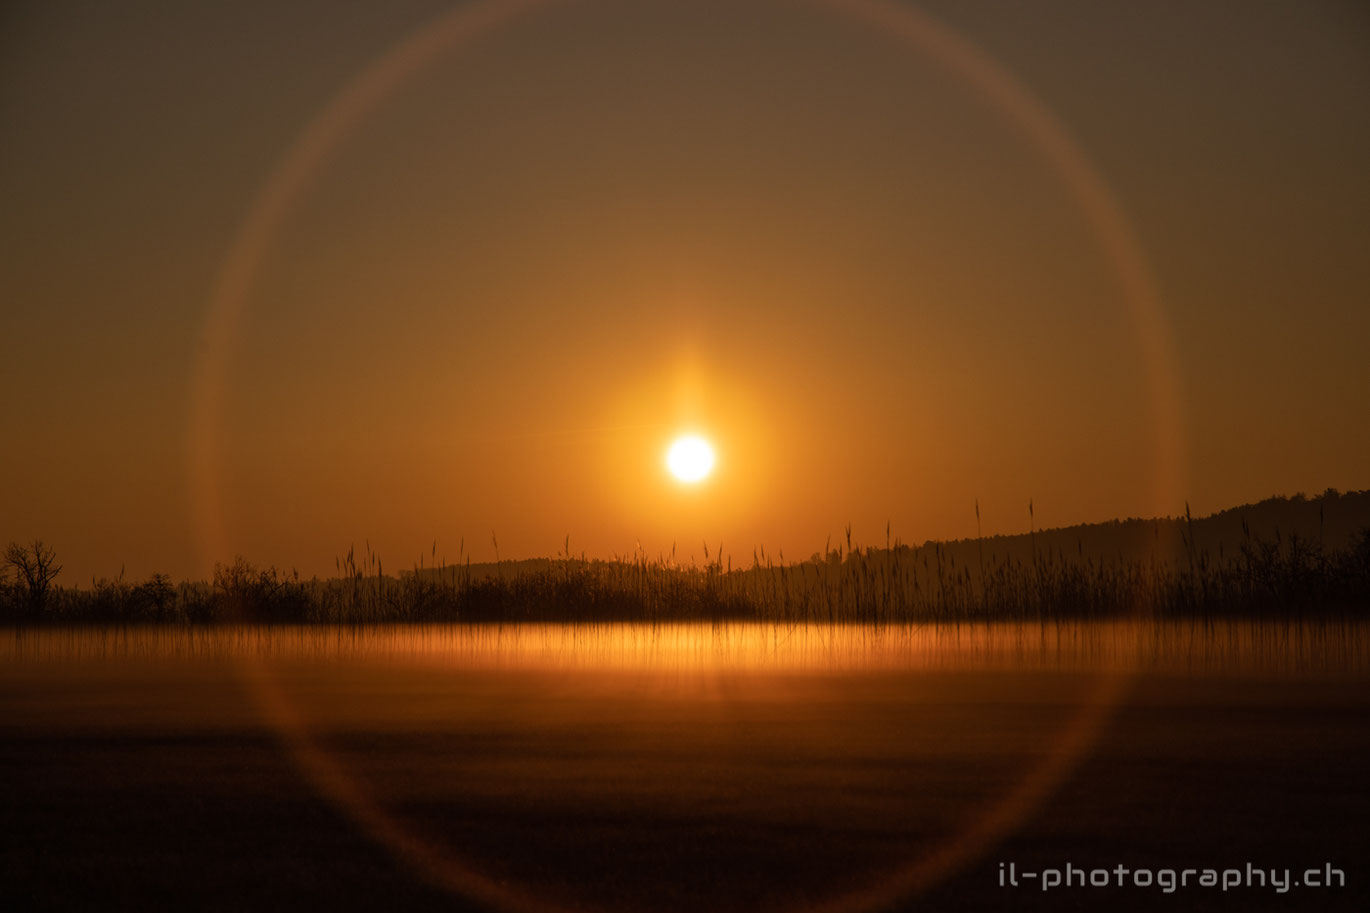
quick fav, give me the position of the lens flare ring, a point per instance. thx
(290, 177)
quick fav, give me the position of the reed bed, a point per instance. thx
(1282, 577)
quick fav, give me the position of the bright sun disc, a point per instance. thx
(690, 458)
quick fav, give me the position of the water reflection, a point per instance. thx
(1224, 648)
(825, 768)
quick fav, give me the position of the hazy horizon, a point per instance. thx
(555, 246)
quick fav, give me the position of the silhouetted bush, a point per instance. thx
(245, 594)
(155, 600)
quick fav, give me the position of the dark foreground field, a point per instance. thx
(164, 782)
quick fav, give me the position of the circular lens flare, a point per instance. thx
(690, 458)
(291, 175)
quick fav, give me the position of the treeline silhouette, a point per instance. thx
(1283, 557)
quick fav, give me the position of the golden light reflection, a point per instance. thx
(1232, 648)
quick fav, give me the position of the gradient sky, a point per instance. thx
(557, 245)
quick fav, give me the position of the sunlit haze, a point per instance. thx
(509, 280)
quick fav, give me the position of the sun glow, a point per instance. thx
(690, 458)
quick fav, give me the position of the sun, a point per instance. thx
(690, 459)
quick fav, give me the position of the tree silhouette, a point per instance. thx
(35, 567)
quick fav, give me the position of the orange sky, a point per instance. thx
(555, 246)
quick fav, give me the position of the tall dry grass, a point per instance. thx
(1285, 576)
